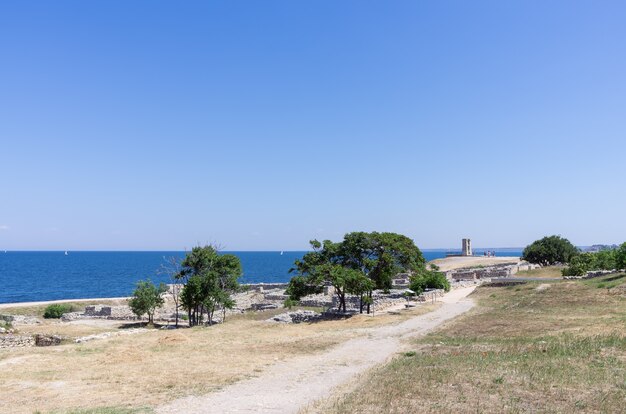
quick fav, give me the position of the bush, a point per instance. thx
(57, 310)
(429, 280)
(582, 263)
(290, 303)
(550, 250)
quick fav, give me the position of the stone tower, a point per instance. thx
(467, 247)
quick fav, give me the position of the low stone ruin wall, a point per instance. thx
(594, 273)
(260, 287)
(430, 295)
(280, 295)
(16, 341)
(380, 300)
(317, 301)
(487, 272)
(101, 312)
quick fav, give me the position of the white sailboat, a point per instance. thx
(281, 252)
(66, 252)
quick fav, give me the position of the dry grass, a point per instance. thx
(522, 349)
(148, 369)
(548, 271)
(70, 330)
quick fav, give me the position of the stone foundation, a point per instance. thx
(16, 341)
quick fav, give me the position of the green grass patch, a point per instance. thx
(559, 349)
(608, 282)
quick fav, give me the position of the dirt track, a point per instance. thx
(288, 386)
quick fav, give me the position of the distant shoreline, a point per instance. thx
(445, 264)
(51, 302)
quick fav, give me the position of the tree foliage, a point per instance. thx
(300, 286)
(147, 299)
(209, 280)
(429, 279)
(582, 263)
(549, 250)
(358, 264)
(620, 257)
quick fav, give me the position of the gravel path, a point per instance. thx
(288, 386)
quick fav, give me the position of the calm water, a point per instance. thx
(36, 276)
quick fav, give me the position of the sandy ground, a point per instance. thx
(48, 302)
(450, 263)
(291, 385)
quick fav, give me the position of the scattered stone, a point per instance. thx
(298, 316)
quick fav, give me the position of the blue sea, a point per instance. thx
(50, 275)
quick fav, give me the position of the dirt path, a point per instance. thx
(291, 385)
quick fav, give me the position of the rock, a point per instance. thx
(47, 340)
(298, 316)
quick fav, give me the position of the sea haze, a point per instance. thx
(40, 276)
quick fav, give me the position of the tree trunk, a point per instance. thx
(176, 311)
(369, 302)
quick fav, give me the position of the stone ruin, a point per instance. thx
(488, 272)
(101, 312)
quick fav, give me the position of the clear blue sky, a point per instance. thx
(263, 124)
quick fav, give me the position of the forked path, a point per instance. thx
(288, 386)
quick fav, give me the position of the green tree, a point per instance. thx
(580, 264)
(344, 265)
(358, 284)
(147, 299)
(209, 280)
(606, 259)
(620, 257)
(549, 250)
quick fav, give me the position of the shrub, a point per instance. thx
(429, 279)
(55, 311)
(290, 303)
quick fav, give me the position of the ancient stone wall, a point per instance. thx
(16, 341)
(260, 287)
(488, 272)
